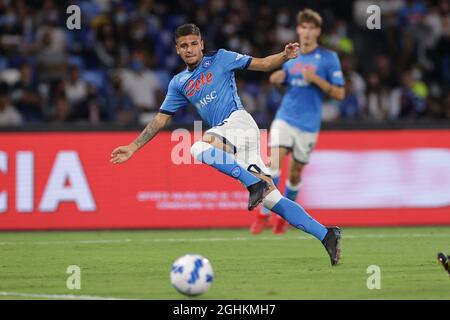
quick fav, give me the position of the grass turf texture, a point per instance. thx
(136, 264)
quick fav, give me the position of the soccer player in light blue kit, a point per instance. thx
(315, 72)
(232, 145)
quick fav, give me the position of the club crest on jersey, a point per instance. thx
(206, 63)
(194, 85)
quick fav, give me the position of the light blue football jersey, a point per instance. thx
(210, 87)
(301, 105)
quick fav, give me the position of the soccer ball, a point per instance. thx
(191, 274)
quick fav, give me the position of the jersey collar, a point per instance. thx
(311, 52)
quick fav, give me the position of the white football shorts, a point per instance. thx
(300, 143)
(241, 132)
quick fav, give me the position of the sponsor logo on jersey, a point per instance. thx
(337, 74)
(206, 99)
(195, 85)
(300, 67)
(299, 82)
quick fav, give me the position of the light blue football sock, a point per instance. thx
(226, 163)
(299, 218)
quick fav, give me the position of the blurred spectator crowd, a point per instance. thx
(116, 68)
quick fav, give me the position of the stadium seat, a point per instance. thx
(3, 63)
(94, 77)
(77, 61)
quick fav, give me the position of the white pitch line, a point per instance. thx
(56, 296)
(256, 238)
(68, 242)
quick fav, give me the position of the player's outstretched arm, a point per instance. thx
(335, 92)
(276, 60)
(123, 153)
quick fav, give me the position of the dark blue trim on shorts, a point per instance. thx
(224, 141)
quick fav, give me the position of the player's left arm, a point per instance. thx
(275, 61)
(334, 91)
(333, 83)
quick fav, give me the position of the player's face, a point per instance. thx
(190, 48)
(308, 33)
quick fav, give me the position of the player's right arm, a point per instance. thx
(123, 153)
(174, 100)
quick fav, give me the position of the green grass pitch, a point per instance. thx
(136, 264)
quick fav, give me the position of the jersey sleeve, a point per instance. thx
(334, 71)
(174, 100)
(286, 74)
(233, 61)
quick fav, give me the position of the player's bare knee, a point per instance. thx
(208, 138)
(295, 173)
(217, 143)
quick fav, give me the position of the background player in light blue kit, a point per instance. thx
(314, 73)
(232, 145)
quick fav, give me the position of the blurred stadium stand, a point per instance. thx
(52, 77)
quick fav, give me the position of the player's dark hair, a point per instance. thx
(309, 16)
(186, 30)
